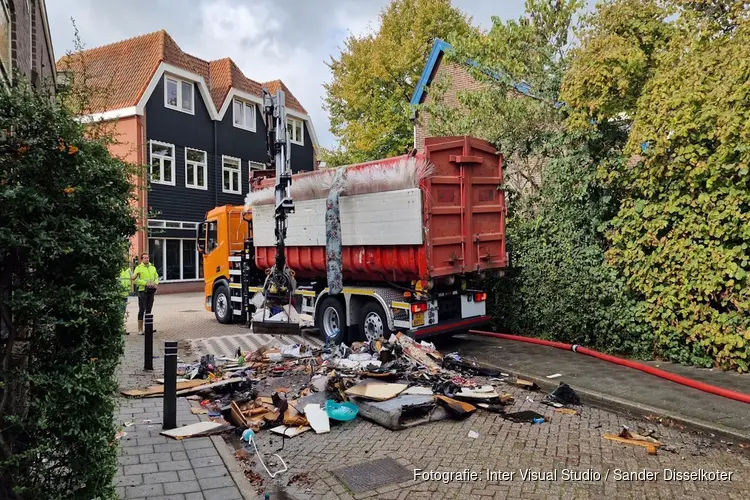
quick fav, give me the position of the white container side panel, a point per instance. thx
(390, 218)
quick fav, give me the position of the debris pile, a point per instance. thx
(396, 382)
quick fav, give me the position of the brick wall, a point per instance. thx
(20, 45)
(459, 80)
(31, 47)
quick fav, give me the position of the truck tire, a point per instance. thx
(331, 320)
(374, 323)
(223, 305)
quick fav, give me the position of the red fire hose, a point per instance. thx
(738, 396)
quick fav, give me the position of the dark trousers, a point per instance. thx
(145, 303)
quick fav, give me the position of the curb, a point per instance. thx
(629, 408)
(227, 457)
(234, 468)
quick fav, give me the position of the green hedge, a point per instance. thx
(560, 286)
(65, 221)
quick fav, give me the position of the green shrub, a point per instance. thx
(65, 221)
(560, 286)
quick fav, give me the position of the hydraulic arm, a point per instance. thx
(280, 285)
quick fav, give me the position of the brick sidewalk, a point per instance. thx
(152, 466)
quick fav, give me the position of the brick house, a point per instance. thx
(199, 128)
(25, 43)
(460, 79)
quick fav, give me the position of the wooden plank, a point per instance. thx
(387, 218)
(198, 388)
(650, 447)
(193, 430)
(155, 390)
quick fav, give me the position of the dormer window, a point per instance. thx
(178, 94)
(244, 115)
(296, 131)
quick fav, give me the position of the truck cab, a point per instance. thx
(221, 239)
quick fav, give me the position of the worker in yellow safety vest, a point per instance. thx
(146, 281)
(126, 278)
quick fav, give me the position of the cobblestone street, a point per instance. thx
(565, 442)
(571, 442)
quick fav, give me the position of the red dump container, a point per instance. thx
(463, 222)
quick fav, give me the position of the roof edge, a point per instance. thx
(438, 48)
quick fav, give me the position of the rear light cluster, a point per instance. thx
(480, 297)
(419, 307)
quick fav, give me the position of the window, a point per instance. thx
(296, 131)
(176, 259)
(254, 165)
(195, 169)
(244, 115)
(231, 173)
(212, 233)
(178, 94)
(162, 163)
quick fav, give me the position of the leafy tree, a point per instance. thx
(375, 75)
(520, 64)
(681, 236)
(66, 218)
(560, 285)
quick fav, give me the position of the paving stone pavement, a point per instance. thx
(151, 466)
(566, 441)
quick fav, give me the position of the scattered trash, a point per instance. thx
(129, 423)
(526, 384)
(564, 394)
(554, 375)
(629, 437)
(529, 399)
(146, 421)
(566, 411)
(249, 437)
(318, 418)
(524, 416)
(343, 412)
(121, 434)
(199, 429)
(473, 434)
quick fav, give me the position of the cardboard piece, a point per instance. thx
(318, 418)
(376, 391)
(205, 386)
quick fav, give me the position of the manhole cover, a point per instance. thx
(372, 475)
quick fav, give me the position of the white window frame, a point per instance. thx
(256, 165)
(161, 163)
(290, 130)
(224, 158)
(179, 82)
(245, 105)
(196, 165)
(163, 276)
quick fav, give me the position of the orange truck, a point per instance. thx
(414, 259)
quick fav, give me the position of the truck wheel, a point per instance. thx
(331, 320)
(223, 305)
(374, 323)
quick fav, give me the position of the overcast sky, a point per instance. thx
(291, 41)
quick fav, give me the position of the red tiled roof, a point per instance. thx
(119, 73)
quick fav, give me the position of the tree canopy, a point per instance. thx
(375, 75)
